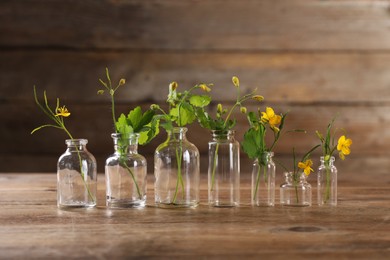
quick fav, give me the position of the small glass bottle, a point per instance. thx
(176, 170)
(224, 170)
(327, 182)
(76, 176)
(263, 181)
(126, 173)
(296, 191)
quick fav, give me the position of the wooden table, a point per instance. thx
(31, 226)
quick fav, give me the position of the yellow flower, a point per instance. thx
(306, 166)
(204, 87)
(63, 111)
(258, 97)
(236, 81)
(243, 110)
(271, 118)
(343, 146)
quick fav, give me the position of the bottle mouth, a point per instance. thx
(331, 159)
(178, 130)
(219, 133)
(75, 142)
(128, 136)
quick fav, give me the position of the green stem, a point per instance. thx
(327, 191)
(257, 181)
(113, 111)
(296, 187)
(214, 167)
(133, 177)
(179, 175)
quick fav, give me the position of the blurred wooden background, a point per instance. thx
(313, 58)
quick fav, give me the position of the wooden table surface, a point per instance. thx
(31, 226)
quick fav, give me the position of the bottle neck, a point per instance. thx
(177, 134)
(127, 144)
(75, 145)
(329, 162)
(299, 177)
(219, 135)
(265, 158)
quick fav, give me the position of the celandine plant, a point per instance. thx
(224, 152)
(176, 161)
(76, 168)
(126, 170)
(254, 145)
(296, 191)
(327, 172)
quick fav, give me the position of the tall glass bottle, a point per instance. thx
(224, 170)
(76, 176)
(263, 181)
(296, 191)
(176, 169)
(327, 182)
(126, 173)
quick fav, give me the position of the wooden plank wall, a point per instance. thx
(310, 57)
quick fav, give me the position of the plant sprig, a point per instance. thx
(328, 143)
(182, 106)
(223, 122)
(57, 114)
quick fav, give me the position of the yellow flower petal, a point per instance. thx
(63, 111)
(340, 142)
(270, 112)
(301, 165)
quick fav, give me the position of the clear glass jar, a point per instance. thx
(76, 176)
(177, 173)
(263, 181)
(327, 182)
(296, 191)
(224, 170)
(126, 173)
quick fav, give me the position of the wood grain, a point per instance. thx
(193, 25)
(340, 78)
(33, 227)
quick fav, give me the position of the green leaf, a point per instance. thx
(122, 126)
(200, 101)
(183, 114)
(203, 118)
(145, 120)
(135, 117)
(251, 144)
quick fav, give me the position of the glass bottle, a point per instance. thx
(296, 191)
(263, 181)
(176, 170)
(224, 170)
(76, 176)
(126, 173)
(327, 182)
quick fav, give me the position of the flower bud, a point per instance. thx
(100, 92)
(173, 86)
(122, 82)
(258, 97)
(154, 106)
(243, 110)
(219, 108)
(236, 81)
(204, 87)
